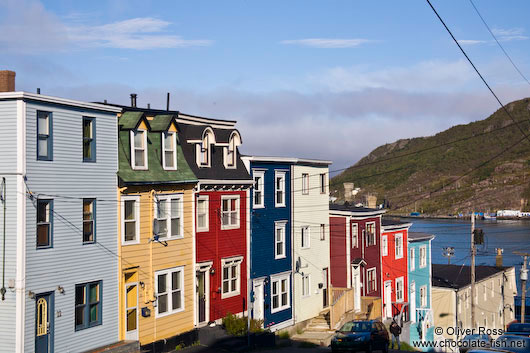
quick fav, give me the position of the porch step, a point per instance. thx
(319, 323)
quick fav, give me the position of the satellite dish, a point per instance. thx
(298, 264)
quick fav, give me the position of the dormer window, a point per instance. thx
(204, 150)
(231, 150)
(169, 150)
(139, 149)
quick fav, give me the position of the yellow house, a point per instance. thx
(156, 231)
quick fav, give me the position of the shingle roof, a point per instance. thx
(129, 120)
(161, 122)
(417, 236)
(458, 276)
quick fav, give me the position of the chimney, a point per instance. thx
(167, 105)
(133, 100)
(7, 81)
(348, 192)
(370, 201)
(498, 257)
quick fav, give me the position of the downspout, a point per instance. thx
(3, 289)
(151, 273)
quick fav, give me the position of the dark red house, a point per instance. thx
(221, 216)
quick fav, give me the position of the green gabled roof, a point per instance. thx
(130, 120)
(161, 122)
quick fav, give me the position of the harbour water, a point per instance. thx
(506, 234)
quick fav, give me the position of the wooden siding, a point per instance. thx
(338, 261)
(393, 268)
(69, 262)
(147, 257)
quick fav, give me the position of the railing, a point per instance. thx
(341, 303)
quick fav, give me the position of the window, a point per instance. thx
(169, 291)
(87, 305)
(280, 293)
(44, 223)
(258, 189)
(423, 296)
(398, 242)
(204, 148)
(279, 240)
(322, 232)
(371, 279)
(139, 149)
(354, 235)
(44, 136)
(231, 274)
(230, 212)
(305, 237)
(306, 285)
(130, 219)
(370, 233)
(89, 139)
(384, 245)
(279, 188)
(202, 214)
(412, 259)
(399, 289)
(492, 288)
(423, 256)
(231, 152)
(168, 215)
(89, 221)
(169, 150)
(305, 184)
(323, 183)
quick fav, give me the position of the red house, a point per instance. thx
(222, 224)
(394, 256)
(355, 250)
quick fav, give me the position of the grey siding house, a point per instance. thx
(58, 168)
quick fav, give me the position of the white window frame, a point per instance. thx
(398, 249)
(230, 262)
(354, 235)
(173, 136)
(306, 285)
(231, 153)
(302, 234)
(230, 211)
(206, 199)
(278, 279)
(423, 256)
(323, 183)
(205, 151)
(384, 245)
(133, 149)
(374, 271)
(368, 243)
(423, 298)
(168, 198)
(322, 232)
(412, 259)
(169, 291)
(400, 295)
(258, 187)
(136, 199)
(278, 174)
(305, 184)
(280, 225)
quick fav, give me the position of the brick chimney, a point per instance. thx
(7, 81)
(348, 195)
(498, 257)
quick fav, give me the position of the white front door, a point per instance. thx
(412, 300)
(356, 282)
(258, 306)
(388, 299)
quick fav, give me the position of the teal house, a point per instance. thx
(420, 298)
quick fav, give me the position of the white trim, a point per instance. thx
(179, 197)
(20, 274)
(402, 281)
(302, 237)
(368, 289)
(258, 282)
(224, 181)
(133, 148)
(206, 198)
(169, 273)
(348, 254)
(235, 143)
(424, 247)
(279, 278)
(412, 259)
(281, 325)
(356, 227)
(261, 174)
(280, 225)
(132, 335)
(58, 100)
(229, 262)
(209, 136)
(357, 215)
(288, 160)
(384, 245)
(368, 236)
(173, 136)
(198, 120)
(203, 267)
(136, 199)
(237, 225)
(390, 227)
(308, 294)
(282, 189)
(305, 183)
(396, 237)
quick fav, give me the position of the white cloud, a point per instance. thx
(471, 41)
(506, 35)
(327, 42)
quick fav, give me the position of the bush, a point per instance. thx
(284, 335)
(237, 326)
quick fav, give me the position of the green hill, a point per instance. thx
(449, 172)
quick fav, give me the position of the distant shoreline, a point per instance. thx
(523, 219)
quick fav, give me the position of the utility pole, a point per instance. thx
(473, 269)
(524, 278)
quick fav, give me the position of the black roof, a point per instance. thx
(417, 236)
(392, 222)
(351, 208)
(458, 276)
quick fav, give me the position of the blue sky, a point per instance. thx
(319, 79)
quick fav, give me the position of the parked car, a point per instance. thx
(361, 336)
(513, 343)
(518, 329)
(475, 342)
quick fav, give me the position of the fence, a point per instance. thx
(341, 303)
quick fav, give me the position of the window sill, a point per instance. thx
(44, 247)
(89, 242)
(157, 315)
(305, 247)
(279, 205)
(229, 295)
(140, 168)
(398, 258)
(279, 257)
(230, 227)
(170, 169)
(202, 230)
(125, 243)
(273, 311)
(258, 206)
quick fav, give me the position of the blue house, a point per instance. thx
(271, 241)
(420, 298)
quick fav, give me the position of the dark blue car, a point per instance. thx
(365, 336)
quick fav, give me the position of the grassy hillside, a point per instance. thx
(439, 176)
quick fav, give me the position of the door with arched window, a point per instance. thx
(44, 323)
